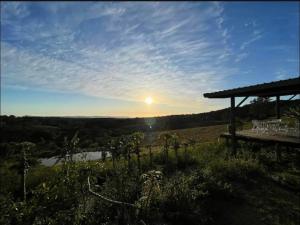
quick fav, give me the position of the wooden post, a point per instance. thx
(278, 107)
(232, 125)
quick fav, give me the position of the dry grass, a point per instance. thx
(199, 134)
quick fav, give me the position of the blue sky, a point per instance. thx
(104, 59)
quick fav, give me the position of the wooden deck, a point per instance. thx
(251, 136)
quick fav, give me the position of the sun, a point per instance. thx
(149, 100)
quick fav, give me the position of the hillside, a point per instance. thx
(48, 133)
(187, 178)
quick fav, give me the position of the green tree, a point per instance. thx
(127, 150)
(137, 141)
(166, 144)
(27, 146)
(149, 147)
(113, 151)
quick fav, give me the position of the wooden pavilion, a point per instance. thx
(272, 89)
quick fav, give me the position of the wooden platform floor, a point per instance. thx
(251, 136)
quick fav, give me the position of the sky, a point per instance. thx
(104, 58)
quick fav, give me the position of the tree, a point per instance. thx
(26, 146)
(113, 151)
(69, 148)
(137, 140)
(294, 112)
(259, 100)
(24, 165)
(150, 153)
(166, 140)
(259, 107)
(103, 154)
(127, 150)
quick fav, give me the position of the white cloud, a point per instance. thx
(256, 35)
(282, 75)
(122, 51)
(241, 56)
(12, 11)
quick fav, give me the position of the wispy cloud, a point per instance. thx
(256, 35)
(282, 74)
(252, 33)
(241, 56)
(174, 52)
(122, 51)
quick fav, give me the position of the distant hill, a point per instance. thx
(247, 112)
(49, 132)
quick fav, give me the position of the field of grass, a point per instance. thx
(198, 134)
(200, 184)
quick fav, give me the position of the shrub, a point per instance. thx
(234, 169)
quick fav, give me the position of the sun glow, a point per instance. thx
(149, 100)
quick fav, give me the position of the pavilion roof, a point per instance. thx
(276, 88)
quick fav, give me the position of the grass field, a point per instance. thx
(198, 134)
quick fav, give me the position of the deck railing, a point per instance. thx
(275, 127)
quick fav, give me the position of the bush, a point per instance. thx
(234, 169)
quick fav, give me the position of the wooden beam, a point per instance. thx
(292, 97)
(242, 102)
(278, 107)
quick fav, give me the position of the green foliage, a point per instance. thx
(234, 168)
(294, 112)
(150, 192)
(198, 184)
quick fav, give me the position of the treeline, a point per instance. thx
(49, 132)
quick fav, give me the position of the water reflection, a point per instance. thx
(83, 156)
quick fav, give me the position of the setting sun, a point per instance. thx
(149, 100)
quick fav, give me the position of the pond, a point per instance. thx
(83, 156)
